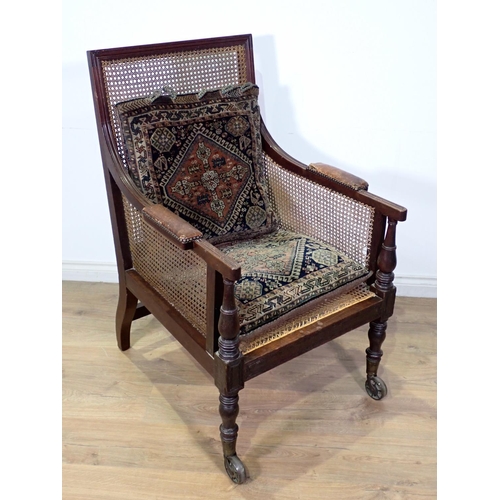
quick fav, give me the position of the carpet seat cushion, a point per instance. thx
(283, 270)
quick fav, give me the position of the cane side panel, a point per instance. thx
(309, 208)
(177, 275)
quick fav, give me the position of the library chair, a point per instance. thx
(248, 257)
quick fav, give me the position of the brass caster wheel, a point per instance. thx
(376, 388)
(235, 469)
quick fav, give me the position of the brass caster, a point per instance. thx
(235, 469)
(376, 388)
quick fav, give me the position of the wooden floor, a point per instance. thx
(143, 424)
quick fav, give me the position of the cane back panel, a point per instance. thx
(184, 72)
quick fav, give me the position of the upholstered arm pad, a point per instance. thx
(177, 230)
(339, 176)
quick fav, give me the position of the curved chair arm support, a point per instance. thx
(178, 231)
(187, 237)
(385, 207)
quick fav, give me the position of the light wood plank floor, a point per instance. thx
(144, 424)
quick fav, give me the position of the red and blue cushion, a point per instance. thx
(199, 155)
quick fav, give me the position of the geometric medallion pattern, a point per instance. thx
(200, 156)
(283, 270)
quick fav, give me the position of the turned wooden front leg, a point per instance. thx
(229, 369)
(228, 410)
(385, 289)
(376, 336)
(229, 379)
(386, 261)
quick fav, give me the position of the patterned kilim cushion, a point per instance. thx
(283, 270)
(199, 155)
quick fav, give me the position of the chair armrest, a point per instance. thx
(177, 230)
(185, 236)
(339, 175)
(224, 264)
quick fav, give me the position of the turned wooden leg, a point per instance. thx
(228, 409)
(375, 386)
(386, 262)
(127, 304)
(229, 379)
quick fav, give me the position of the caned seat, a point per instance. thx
(248, 257)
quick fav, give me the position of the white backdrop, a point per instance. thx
(351, 83)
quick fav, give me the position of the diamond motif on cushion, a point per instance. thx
(325, 257)
(209, 181)
(255, 217)
(248, 290)
(272, 258)
(237, 126)
(284, 270)
(200, 157)
(162, 139)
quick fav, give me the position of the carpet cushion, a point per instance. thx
(284, 270)
(200, 156)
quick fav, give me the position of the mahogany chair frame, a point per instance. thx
(218, 352)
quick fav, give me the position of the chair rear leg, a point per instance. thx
(127, 304)
(374, 385)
